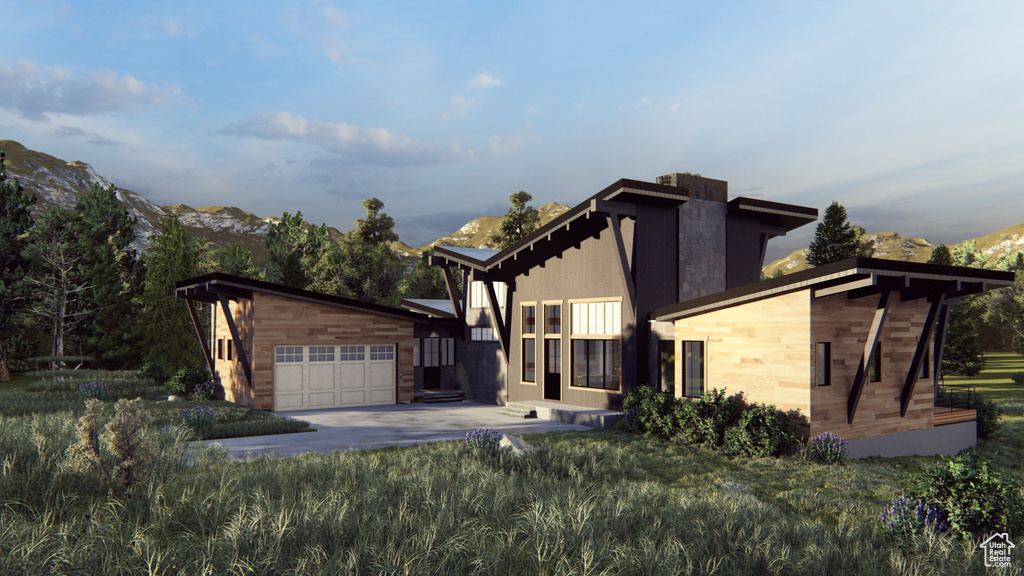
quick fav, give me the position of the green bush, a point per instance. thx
(704, 420)
(761, 431)
(648, 411)
(185, 380)
(156, 370)
(977, 500)
(1018, 378)
(988, 416)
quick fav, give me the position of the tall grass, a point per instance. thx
(595, 503)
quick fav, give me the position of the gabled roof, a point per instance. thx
(211, 287)
(584, 219)
(854, 276)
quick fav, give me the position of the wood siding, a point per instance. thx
(762, 349)
(269, 321)
(230, 372)
(845, 323)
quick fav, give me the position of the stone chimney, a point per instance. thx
(697, 186)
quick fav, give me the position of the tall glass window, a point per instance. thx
(693, 368)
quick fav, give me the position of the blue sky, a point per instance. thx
(911, 114)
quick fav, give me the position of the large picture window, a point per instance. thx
(478, 294)
(596, 364)
(693, 368)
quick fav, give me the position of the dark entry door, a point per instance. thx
(552, 369)
(431, 363)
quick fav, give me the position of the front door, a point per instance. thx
(431, 363)
(552, 369)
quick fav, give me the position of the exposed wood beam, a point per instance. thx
(922, 347)
(606, 207)
(627, 275)
(882, 283)
(453, 294)
(845, 287)
(499, 318)
(869, 347)
(202, 341)
(239, 349)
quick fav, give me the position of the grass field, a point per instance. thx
(994, 381)
(18, 382)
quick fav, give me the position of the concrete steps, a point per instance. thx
(438, 396)
(518, 410)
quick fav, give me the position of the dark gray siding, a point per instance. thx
(743, 256)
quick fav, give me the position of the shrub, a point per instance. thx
(156, 370)
(483, 439)
(761, 431)
(704, 420)
(199, 418)
(121, 454)
(96, 390)
(905, 517)
(648, 411)
(976, 499)
(185, 380)
(1018, 378)
(829, 448)
(988, 416)
(204, 391)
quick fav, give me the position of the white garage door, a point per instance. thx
(307, 377)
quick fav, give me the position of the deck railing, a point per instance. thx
(954, 396)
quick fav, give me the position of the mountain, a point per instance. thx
(476, 233)
(892, 246)
(56, 182)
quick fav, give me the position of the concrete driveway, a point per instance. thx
(381, 426)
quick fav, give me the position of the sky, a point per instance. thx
(910, 114)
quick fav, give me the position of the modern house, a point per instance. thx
(641, 283)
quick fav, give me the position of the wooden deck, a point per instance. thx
(945, 416)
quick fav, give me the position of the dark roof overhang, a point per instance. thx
(586, 219)
(211, 287)
(784, 217)
(856, 277)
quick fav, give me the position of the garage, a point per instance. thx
(275, 347)
(309, 377)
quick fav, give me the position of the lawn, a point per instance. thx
(994, 381)
(17, 382)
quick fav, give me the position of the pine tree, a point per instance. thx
(835, 239)
(15, 223)
(941, 256)
(294, 251)
(520, 220)
(237, 261)
(376, 228)
(425, 281)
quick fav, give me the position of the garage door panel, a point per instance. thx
(289, 378)
(321, 376)
(288, 402)
(382, 396)
(352, 376)
(382, 375)
(353, 398)
(322, 400)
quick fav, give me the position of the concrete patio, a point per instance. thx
(381, 426)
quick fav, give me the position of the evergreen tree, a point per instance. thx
(174, 256)
(376, 228)
(425, 281)
(104, 231)
(835, 239)
(237, 261)
(294, 251)
(941, 256)
(517, 223)
(354, 269)
(15, 223)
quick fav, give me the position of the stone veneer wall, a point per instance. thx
(701, 248)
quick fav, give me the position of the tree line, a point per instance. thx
(990, 321)
(72, 285)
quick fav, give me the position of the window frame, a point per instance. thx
(685, 374)
(823, 365)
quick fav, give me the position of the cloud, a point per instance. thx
(321, 26)
(459, 106)
(86, 135)
(482, 80)
(34, 92)
(497, 145)
(373, 144)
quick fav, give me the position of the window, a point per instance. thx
(693, 368)
(220, 348)
(447, 351)
(552, 318)
(230, 349)
(483, 334)
(529, 360)
(431, 352)
(875, 364)
(529, 319)
(321, 353)
(289, 353)
(415, 351)
(823, 363)
(595, 318)
(351, 353)
(478, 294)
(386, 352)
(596, 364)
(924, 364)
